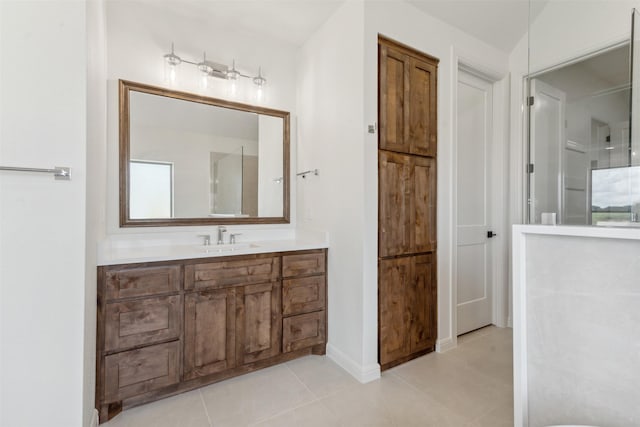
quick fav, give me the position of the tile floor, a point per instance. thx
(470, 386)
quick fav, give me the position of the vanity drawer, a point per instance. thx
(233, 272)
(305, 330)
(144, 281)
(140, 322)
(303, 295)
(131, 373)
(303, 264)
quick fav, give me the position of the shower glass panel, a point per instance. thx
(580, 141)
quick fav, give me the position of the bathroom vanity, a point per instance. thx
(165, 327)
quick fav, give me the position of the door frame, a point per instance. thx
(499, 203)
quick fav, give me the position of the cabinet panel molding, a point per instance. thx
(232, 272)
(139, 322)
(139, 371)
(303, 264)
(141, 281)
(303, 295)
(209, 345)
(304, 330)
(258, 320)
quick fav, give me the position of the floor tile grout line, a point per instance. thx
(206, 411)
(301, 382)
(277, 414)
(293, 408)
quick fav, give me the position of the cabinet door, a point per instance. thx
(209, 341)
(422, 108)
(394, 204)
(259, 322)
(422, 303)
(394, 93)
(423, 205)
(395, 276)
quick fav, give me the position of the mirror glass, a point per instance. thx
(187, 159)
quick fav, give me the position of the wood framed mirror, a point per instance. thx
(187, 159)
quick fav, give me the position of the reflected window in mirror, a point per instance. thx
(229, 161)
(151, 189)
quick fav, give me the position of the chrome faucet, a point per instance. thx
(221, 229)
(232, 238)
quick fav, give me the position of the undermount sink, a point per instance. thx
(229, 247)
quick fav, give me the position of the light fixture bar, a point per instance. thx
(214, 69)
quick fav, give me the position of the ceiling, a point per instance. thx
(289, 21)
(500, 23)
(607, 72)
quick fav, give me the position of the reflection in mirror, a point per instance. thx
(579, 141)
(195, 160)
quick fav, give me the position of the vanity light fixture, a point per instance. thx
(212, 69)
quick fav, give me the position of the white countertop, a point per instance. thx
(144, 249)
(613, 232)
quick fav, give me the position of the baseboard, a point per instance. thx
(445, 345)
(509, 323)
(94, 419)
(364, 374)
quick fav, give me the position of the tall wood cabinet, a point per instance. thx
(407, 241)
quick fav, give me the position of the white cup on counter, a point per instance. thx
(548, 218)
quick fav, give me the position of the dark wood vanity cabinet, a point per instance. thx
(169, 327)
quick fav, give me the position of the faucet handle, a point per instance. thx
(232, 237)
(207, 239)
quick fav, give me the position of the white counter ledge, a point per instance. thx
(148, 248)
(576, 317)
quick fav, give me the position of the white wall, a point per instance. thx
(331, 131)
(138, 37)
(96, 188)
(42, 221)
(270, 159)
(335, 107)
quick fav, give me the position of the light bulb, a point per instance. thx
(233, 89)
(259, 94)
(171, 61)
(204, 81)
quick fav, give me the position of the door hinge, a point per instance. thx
(530, 168)
(530, 101)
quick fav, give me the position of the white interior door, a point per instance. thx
(474, 130)
(546, 147)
